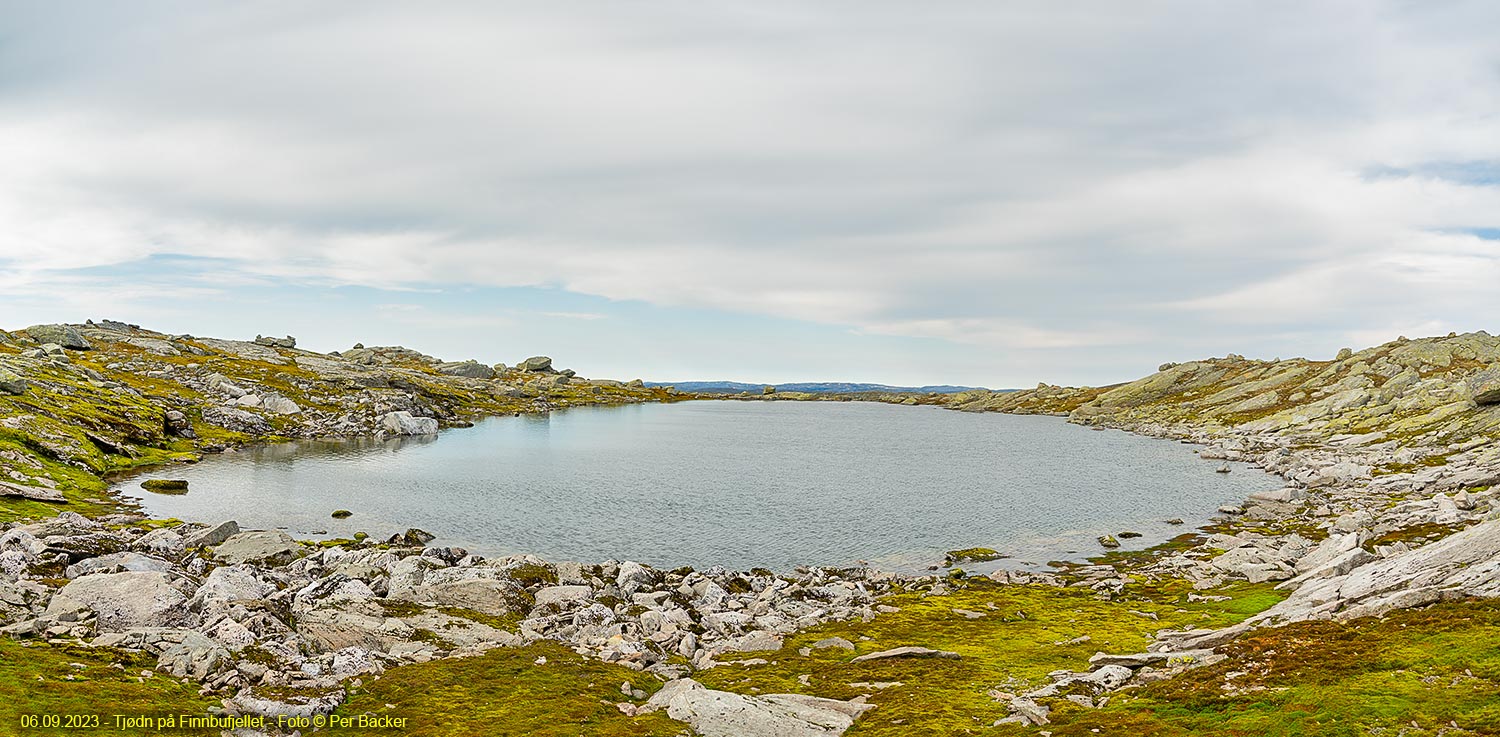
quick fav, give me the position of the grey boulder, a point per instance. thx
(722, 714)
(403, 423)
(124, 601)
(266, 547)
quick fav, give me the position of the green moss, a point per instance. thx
(432, 638)
(40, 679)
(1025, 633)
(507, 692)
(165, 486)
(972, 555)
(1428, 672)
(1415, 533)
(531, 574)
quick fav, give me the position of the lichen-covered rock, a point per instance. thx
(64, 335)
(470, 369)
(11, 382)
(125, 601)
(1485, 387)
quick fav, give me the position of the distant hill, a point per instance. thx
(823, 387)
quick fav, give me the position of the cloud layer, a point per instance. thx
(1044, 187)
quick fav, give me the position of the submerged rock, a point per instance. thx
(165, 486)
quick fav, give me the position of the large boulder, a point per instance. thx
(125, 601)
(536, 363)
(11, 382)
(63, 335)
(264, 547)
(404, 423)
(482, 589)
(722, 714)
(1485, 386)
(212, 536)
(266, 340)
(470, 369)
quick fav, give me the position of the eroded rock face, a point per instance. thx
(125, 601)
(723, 714)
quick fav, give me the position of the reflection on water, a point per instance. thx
(739, 484)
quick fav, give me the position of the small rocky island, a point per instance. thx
(1381, 541)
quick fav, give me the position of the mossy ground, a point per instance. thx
(47, 680)
(1025, 633)
(507, 692)
(1434, 671)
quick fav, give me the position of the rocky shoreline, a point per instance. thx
(251, 612)
(1388, 457)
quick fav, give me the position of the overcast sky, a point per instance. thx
(962, 192)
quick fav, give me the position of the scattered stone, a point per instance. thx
(341, 514)
(837, 642)
(907, 652)
(1108, 541)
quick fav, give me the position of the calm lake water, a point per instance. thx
(740, 484)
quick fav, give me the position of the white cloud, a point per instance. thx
(1097, 180)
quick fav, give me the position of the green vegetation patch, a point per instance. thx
(1021, 634)
(1430, 672)
(512, 691)
(165, 486)
(972, 555)
(39, 680)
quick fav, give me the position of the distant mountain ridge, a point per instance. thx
(815, 387)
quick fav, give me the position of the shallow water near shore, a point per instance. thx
(738, 484)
